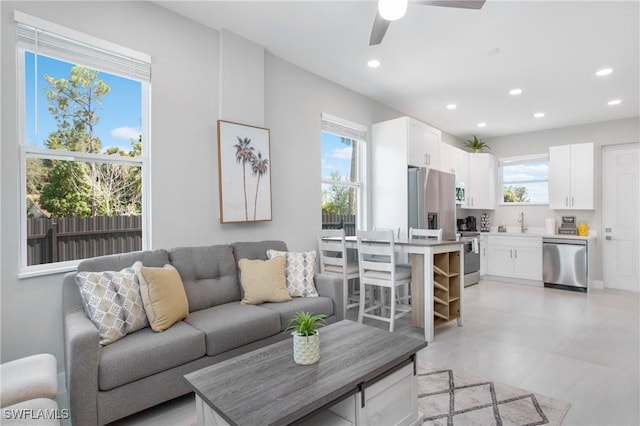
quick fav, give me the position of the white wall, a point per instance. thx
(601, 134)
(185, 96)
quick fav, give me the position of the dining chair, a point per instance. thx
(381, 273)
(334, 260)
(425, 233)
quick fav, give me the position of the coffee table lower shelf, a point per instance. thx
(392, 400)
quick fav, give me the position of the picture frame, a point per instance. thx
(244, 173)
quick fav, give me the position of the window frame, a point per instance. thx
(30, 151)
(521, 160)
(356, 132)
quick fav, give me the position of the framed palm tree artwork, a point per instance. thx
(244, 166)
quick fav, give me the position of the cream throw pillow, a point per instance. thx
(263, 281)
(300, 270)
(163, 295)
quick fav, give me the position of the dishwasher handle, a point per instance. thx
(565, 241)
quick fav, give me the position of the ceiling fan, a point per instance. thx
(390, 10)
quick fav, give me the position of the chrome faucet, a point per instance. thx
(523, 226)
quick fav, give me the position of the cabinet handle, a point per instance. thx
(566, 201)
(510, 253)
(516, 253)
(572, 202)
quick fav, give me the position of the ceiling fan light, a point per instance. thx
(392, 9)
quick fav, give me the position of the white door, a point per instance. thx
(621, 216)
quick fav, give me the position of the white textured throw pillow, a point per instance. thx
(112, 302)
(299, 271)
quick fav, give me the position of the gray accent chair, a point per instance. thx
(145, 368)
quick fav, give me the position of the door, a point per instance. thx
(527, 263)
(620, 216)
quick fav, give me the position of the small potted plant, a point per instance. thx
(306, 341)
(476, 145)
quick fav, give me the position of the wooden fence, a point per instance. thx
(340, 221)
(62, 239)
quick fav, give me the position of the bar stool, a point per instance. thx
(382, 273)
(332, 252)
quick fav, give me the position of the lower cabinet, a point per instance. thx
(515, 257)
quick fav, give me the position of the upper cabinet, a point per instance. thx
(571, 177)
(423, 144)
(481, 182)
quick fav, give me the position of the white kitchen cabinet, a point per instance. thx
(571, 177)
(423, 144)
(481, 185)
(483, 254)
(449, 159)
(514, 257)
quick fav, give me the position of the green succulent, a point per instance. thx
(476, 144)
(305, 323)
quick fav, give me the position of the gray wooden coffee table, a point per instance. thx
(364, 376)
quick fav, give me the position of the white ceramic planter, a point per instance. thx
(306, 349)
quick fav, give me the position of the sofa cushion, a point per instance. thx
(315, 305)
(233, 325)
(145, 352)
(263, 281)
(256, 250)
(208, 273)
(163, 294)
(116, 262)
(299, 271)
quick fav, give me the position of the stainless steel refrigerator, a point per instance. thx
(432, 201)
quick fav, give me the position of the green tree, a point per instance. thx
(337, 198)
(74, 103)
(515, 194)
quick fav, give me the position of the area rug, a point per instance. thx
(448, 398)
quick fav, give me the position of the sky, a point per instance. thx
(120, 113)
(517, 173)
(336, 156)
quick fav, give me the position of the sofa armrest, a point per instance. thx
(331, 286)
(81, 353)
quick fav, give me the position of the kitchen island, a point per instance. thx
(422, 254)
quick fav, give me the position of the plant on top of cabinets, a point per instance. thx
(476, 145)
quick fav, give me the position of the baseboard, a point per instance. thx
(596, 284)
(511, 280)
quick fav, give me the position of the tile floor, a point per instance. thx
(580, 348)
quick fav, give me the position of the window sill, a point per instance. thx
(47, 269)
(522, 204)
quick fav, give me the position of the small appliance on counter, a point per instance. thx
(568, 226)
(467, 224)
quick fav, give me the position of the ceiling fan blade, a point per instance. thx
(462, 4)
(379, 29)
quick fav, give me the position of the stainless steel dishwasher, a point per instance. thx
(565, 263)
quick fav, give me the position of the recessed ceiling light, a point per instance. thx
(605, 71)
(538, 114)
(373, 63)
(515, 91)
(482, 124)
(614, 102)
(452, 106)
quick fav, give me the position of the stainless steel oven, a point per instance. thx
(471, 244)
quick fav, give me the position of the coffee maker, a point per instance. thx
(467, 224)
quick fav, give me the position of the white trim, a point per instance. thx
(343, 122)
(34, 21)
(523, 158)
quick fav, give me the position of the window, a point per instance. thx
(343, 154)
(525, 180)
(84, 144)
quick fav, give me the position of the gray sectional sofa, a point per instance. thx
(145, 368)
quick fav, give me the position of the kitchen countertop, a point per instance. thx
(537, 234)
